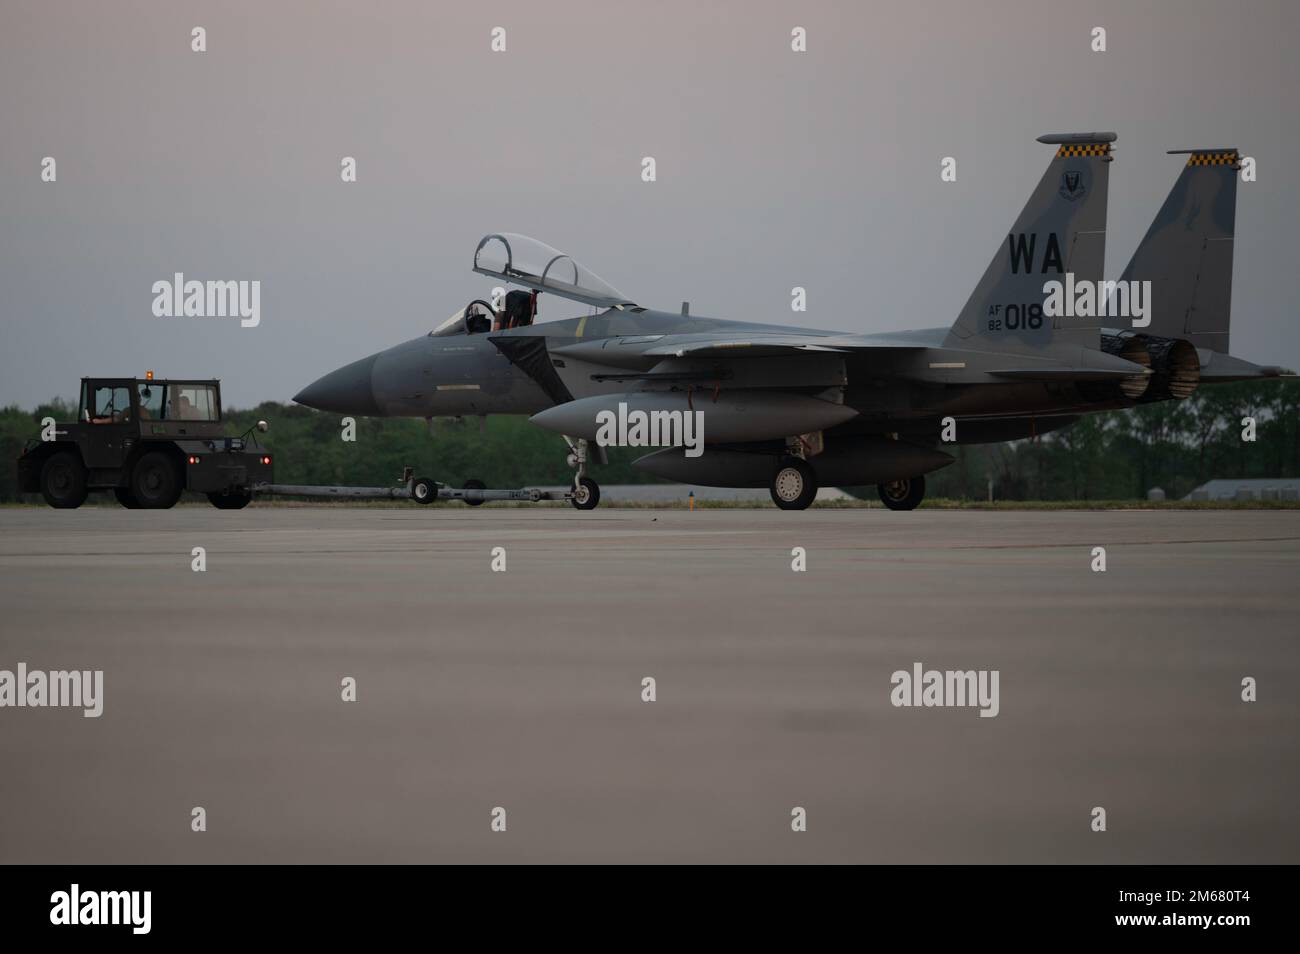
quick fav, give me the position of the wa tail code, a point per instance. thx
(1022, 247)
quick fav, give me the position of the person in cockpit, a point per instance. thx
(476, 322)
(520, 309)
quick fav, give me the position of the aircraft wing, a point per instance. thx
(641, 352)
(909, 355)
(740, 347)
(767, 345)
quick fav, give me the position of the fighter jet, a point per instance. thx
(792, 409)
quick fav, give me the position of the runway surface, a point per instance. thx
(523, 689)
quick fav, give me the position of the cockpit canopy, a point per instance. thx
(521, 260)
(525, 261)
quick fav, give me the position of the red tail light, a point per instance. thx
(194, 460)
(266, 460)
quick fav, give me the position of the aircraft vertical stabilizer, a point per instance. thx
(1061, 232)
(1187, 252)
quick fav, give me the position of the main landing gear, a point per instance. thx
(586, 492)
(794, 485)
(904, 494)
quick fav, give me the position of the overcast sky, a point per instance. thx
(775, 168)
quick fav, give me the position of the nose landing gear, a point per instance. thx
(586, 492)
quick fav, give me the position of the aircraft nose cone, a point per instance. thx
(346, 391)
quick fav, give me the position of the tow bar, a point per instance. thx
(423, 490)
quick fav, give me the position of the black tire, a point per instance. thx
(235, 500)
(794, 485)
(424, 491)
(63, 481)
(475, 485)
(155, 483)
(126, 498)
(586, 495)
(905, 494)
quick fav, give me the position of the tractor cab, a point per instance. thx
(152, 408)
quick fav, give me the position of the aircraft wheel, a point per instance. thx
(63, 481)
(235, 500)
(155, 483)
(905, 494)
(474, 485)
(424, 490)
(794, 485)
(126, 498)
(586, 495)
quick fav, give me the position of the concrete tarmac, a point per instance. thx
(523, 689)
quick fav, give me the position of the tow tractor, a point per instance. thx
(146, 441)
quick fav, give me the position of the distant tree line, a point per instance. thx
(1109, 456)
(1121, 455)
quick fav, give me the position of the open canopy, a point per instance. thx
(525, 261)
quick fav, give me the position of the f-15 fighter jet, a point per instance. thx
(1041, 340)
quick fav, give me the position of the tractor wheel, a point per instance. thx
(235, 500)
(126, 498)
(154, 482)
(63, 481)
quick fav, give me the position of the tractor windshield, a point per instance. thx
(173, 401)
(106, 402)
